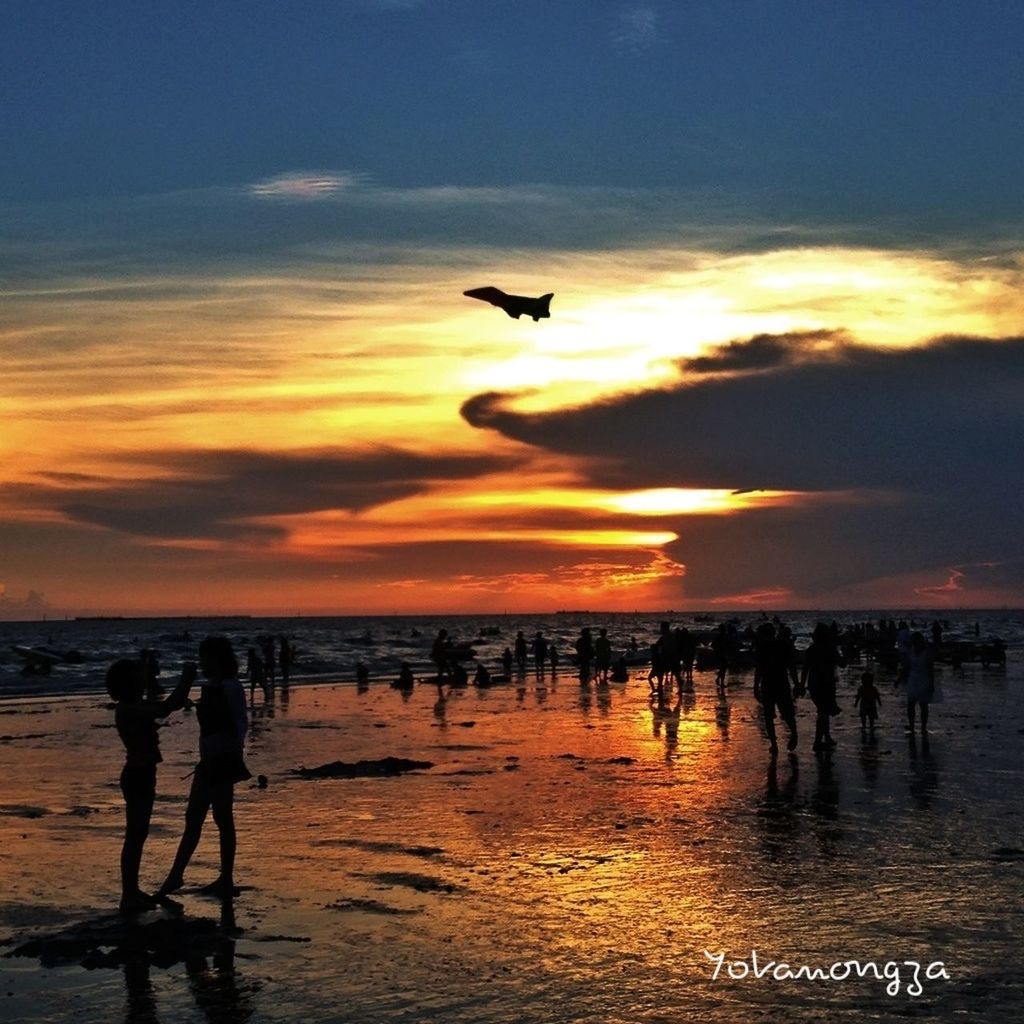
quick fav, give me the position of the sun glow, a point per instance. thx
(357, 352)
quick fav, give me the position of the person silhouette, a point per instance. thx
(520, 646)
(868, 700)
(540, 653)
(440, 652)
(821, 660)
(921, 687)
(773, 662)
(223, 723)
(135, 718)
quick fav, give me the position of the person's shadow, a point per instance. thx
(218, 991)
(164, 939)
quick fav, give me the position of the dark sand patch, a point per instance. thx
(1007, 853)
(371, 907)
(381, 846)
(22, 811)
(410, 880)
(382, 768)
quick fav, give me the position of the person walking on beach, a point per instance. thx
(720, 645)
(868, 700)
(553, 659)
(686, 644)
(135, 718)
(223, 723)
(771, 683)
(439, 653)
(267, 645)
(520, 651)
(821, 660)
(921, 687)
(257, 672)
(668, 654)
(540, 653)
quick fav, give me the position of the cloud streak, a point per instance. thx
(219, 495)
(301, 186)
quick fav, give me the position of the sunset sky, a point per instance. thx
(784, 366)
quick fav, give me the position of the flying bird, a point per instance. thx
(514, 305)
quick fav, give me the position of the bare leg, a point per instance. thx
(769, 725)
(137, 813)
(789, 717)
(199, 798)
(224, 815)
(910, 714)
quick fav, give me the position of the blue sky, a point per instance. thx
(829, 109)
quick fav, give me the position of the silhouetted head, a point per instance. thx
(126, 680)
(917, 641)
(821, 633)
(867, 679)
(217, 658)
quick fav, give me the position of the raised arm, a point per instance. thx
(175, 700)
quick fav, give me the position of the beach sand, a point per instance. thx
(570, 856)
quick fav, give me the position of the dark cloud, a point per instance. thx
(762, 352)
(932, 419)
(211, 495)
(824, 554)
(922, 447)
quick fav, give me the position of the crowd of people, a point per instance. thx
(781, 675)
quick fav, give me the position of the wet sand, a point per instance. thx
(569, 856)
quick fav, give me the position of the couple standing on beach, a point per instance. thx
(223, 723)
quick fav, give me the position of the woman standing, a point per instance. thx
(921, 688)
(222, 727)
(821, 660)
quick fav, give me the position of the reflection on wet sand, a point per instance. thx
(567, 857)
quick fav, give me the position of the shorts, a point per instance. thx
(138, 782)
(220, 768)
